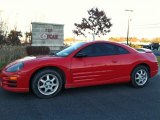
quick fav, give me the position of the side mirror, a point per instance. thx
(80, 55)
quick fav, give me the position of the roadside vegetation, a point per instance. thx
(158, 59)
(11, 53)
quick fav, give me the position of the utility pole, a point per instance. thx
(128, 24)
(93, 35)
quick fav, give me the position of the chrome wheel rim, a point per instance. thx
(141, 77)
(48, 84)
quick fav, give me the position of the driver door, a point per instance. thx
(92, 67)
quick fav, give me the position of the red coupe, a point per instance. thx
(82, 64)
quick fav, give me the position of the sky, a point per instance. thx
(144, 20)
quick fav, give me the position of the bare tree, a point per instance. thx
(13, 37)
(96, 24)
(3, 29)
(28, 36)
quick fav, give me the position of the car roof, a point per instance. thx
(115, 43)
(131, 50)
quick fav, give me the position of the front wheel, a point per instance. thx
(139, 76)
(46, 83)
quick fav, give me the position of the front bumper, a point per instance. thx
(14, 85)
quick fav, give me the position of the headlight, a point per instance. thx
(15, 67)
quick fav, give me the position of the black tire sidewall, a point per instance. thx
(36, 78)
(133, 82)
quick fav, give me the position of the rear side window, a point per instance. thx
(103, 49)
(111, 49)
(121, 50)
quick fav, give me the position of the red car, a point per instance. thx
(83, 64)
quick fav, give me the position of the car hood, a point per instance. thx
(37, 58)
(26, 58)
(33, 59)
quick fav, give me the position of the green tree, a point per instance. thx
(96, 24)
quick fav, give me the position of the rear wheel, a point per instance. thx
(140, 76)
(46, 83)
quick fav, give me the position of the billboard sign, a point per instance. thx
(46, 34)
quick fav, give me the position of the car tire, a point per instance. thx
(139, 76)
(46, 83)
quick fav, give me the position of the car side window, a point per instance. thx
(122, 50)
(115, 49)
(89, 51)
(102, 49)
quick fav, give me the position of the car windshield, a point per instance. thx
(70, 49)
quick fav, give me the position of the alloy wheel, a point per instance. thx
(48, 84)
(141, 77)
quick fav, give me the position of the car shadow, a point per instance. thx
(12, 95)
(109, 88)
(95, 89)
(64, 92)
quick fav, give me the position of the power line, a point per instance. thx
(154, 27)
(149, 24)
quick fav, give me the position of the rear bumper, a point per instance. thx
(153, 73)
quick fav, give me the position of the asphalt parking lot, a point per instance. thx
(107, 102)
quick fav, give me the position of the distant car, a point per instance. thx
(155, 46)
(152, 46)
(82, 64)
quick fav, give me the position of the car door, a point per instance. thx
(120, 62)
(103, 62)
(93, 66)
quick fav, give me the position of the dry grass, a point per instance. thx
(11, 53)
(158, 59)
